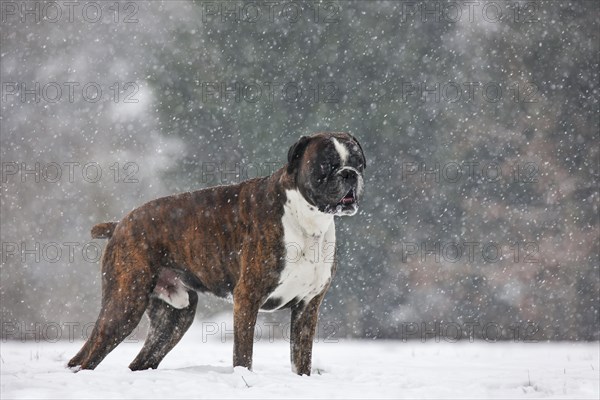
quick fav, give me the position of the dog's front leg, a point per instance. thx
(245, 311)
(302, 333)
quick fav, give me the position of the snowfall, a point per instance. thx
(200, 367)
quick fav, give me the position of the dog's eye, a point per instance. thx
(325, 168)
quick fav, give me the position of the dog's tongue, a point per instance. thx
(349, 198)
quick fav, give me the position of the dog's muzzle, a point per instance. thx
(348, 204)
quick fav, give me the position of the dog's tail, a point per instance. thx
(104, 230)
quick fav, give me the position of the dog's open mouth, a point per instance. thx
(348, 205)
(349, 198)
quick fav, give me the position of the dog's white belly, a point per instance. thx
(309, 258)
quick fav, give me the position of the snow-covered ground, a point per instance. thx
(342, 369)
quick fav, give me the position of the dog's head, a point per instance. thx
(328, 171)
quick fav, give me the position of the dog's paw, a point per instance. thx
(74, 368)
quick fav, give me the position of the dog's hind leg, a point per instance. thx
(126, 286)
(167, 326)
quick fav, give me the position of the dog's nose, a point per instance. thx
(349, 175)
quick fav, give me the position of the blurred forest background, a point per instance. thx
(479, 122)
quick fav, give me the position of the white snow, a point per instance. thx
(341, 369)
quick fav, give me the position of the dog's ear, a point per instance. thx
(361, 149)
(295, 153)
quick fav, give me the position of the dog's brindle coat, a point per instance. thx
(225, 240)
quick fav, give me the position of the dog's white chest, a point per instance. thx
(309, 238)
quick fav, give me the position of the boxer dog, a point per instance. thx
(267, 241)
